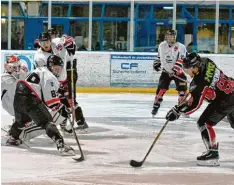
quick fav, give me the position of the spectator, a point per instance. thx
(85, 45)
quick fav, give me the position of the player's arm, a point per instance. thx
(157, 62)
(192, 102)
(70, 45)
(178, 67)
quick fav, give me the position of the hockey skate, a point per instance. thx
(64, 128)
(64, 149)
(209, 158)
(82, 125)
(13, 142)
(155, 110)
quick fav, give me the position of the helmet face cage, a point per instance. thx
(44, 40)
(170, 37)
(55, 65)
(13, 65)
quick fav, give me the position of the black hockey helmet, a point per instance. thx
(171, 32)
(191, 60)
(53, 32)
(44, 36)
(54, 60)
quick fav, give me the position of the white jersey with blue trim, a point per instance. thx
(170, 54)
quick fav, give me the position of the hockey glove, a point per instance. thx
(173, 114)
(178, 68)
(157, 64)
(70, 46)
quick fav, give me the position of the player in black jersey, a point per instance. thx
(211, 84)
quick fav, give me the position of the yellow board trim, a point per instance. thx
(120, 90)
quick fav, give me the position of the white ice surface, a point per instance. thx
(121, 129)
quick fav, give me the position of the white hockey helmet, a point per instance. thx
(13, 65)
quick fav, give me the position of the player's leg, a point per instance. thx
(211, 156)
(80, 120)
(17, 127)
(30, 105)
(213, 114)
(230, 118)
(62, 120)
(163, 85)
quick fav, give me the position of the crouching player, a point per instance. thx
(34, 99)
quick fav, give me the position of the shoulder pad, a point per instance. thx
(33, 78)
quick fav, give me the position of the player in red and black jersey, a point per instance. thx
(211, 84)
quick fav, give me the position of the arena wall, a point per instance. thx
(118, 72)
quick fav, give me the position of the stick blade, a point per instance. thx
(78, 159)
(136, 164)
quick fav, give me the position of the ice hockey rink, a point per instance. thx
(121, 129)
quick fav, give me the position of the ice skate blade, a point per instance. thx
(213, 162)
(82, 131)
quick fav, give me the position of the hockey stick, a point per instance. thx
(179, 78)
(134, 163)
(81, 158)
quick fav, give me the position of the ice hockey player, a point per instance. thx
(13, 72)
(57, 46)
(33, 99)
(211, 84)
(45, 50)
(65, 47)
(169, 60)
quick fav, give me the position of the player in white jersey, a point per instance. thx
(14, 70)
(169, 60)
(65, 47)
(34, 98)
(45, 50)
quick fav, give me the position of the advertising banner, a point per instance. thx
(25, 58)
(132, 71)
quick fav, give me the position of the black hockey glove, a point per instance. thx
(173, 114)
(157, 64)
(70, 46)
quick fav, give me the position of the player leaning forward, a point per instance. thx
(169, 58)
(211, 84)
(33, 99)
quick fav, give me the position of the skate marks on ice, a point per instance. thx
(118, 134)
(136, 179)
(172, 160)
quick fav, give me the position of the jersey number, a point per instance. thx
(53, 94)
(225, 85)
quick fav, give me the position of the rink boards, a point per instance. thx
(118, 72)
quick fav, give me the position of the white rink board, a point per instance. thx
(94, 68)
